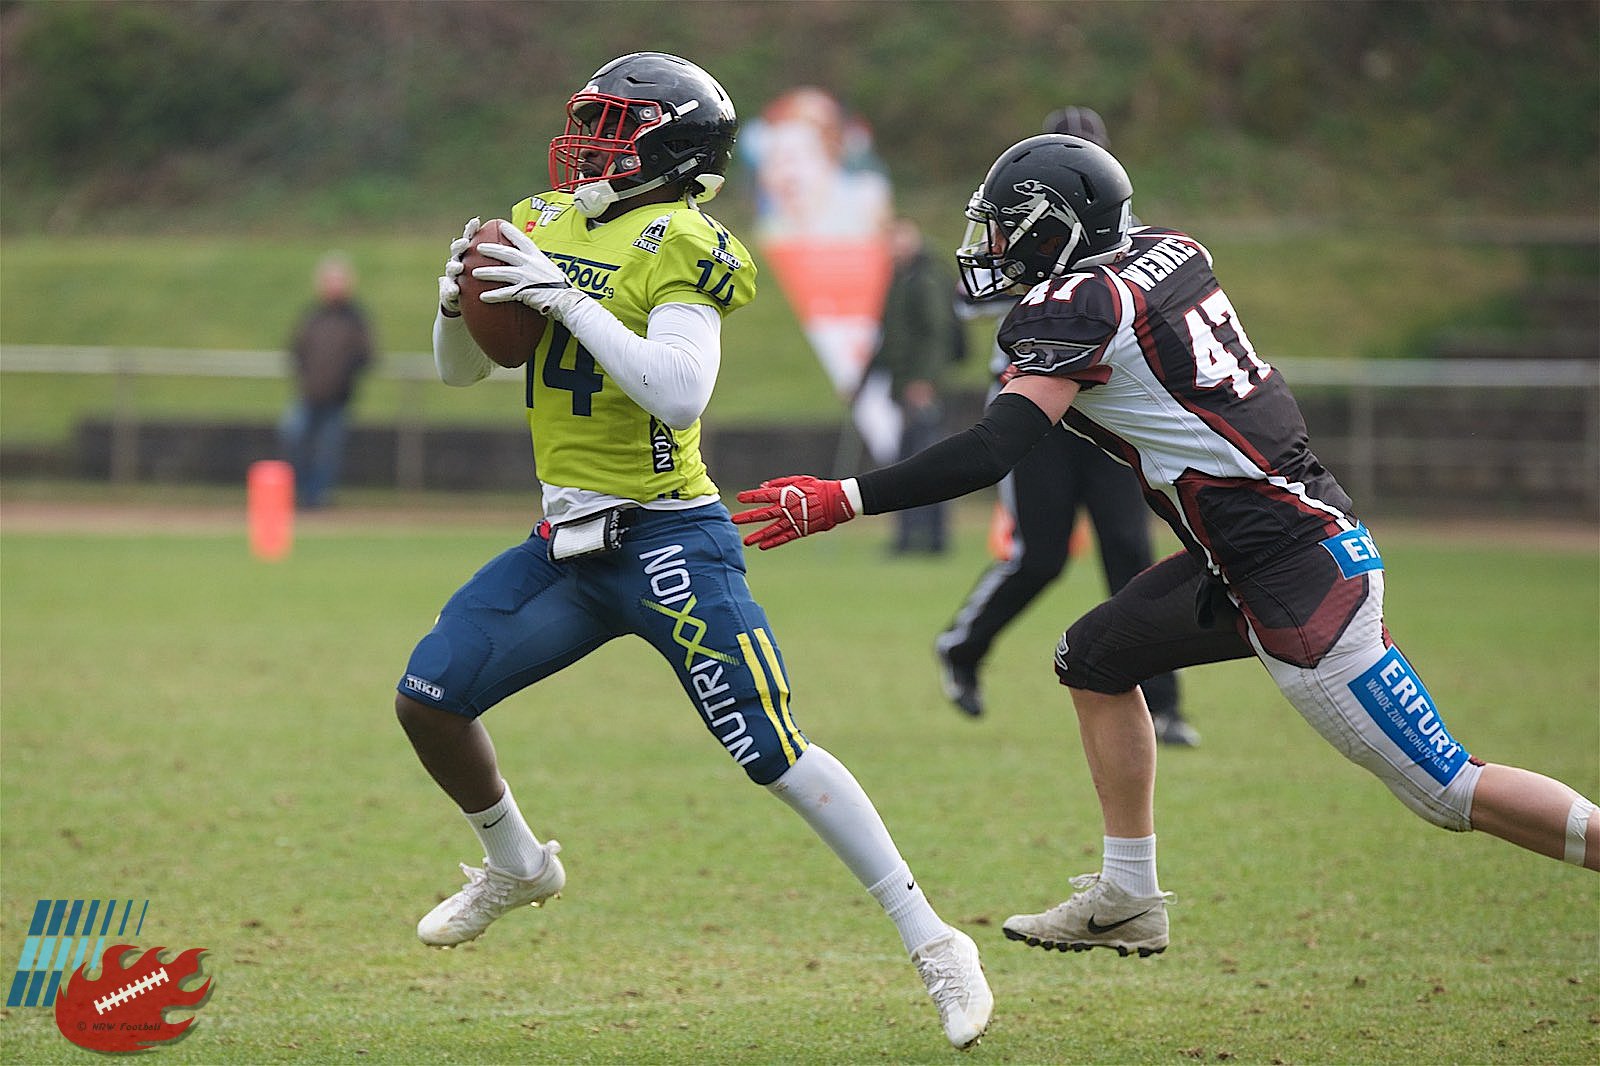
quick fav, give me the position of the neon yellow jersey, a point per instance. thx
(587, 433)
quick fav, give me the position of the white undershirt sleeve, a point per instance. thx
(456, 354)
(671, 371)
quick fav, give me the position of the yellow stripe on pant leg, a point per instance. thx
(771, 655)
(754, 666)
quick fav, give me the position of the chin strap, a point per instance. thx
(1066, 253)
(592, 198)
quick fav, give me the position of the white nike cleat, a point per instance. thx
(489, 894)
(949, 966)
(1101, 915)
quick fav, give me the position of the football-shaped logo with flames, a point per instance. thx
(124, 1009)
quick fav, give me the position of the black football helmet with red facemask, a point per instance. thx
(1049, 205)
(643, 121)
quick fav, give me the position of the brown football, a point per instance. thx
(507, 332)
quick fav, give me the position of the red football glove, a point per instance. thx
(796, 506)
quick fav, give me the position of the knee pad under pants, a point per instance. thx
(1149, 627)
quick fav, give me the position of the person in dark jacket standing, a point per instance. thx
(920, 337)
(331, 349)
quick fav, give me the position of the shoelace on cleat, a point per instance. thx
(942, 974)
(482, 886)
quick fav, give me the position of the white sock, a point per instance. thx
(1130, 864)
(508, 844)
(902, 900)
(823, 792)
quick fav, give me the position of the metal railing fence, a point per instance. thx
(1350, 404)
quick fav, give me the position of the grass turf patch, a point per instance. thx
(186, 725)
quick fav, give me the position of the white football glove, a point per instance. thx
(528, 276)
(449, 288)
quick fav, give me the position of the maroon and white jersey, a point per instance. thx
(1171, 386)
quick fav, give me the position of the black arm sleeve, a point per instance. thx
(964, 462)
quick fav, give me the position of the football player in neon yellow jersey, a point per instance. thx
(596, 438)
(635, 280)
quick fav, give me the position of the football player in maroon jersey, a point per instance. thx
(1126, 335)
(1064, 475)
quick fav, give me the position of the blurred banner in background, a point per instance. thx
(822, 212)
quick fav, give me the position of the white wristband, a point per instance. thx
(852, 492)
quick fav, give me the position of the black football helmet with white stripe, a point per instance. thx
(643, 121)
(1049, 205)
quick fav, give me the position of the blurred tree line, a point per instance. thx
(166, 115)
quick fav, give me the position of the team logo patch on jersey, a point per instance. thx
(548, 212)
(1394, 696)
(652, 236)
(1355, 551)
(1034, 356)
(727, 259)
(589, 275)
(663, 447)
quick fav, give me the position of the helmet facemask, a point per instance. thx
(606, 145)
(1049, 205)
(993, 258)
(980, 258)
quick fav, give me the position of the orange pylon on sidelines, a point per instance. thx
(270, 502)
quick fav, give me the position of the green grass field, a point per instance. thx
(187, 725)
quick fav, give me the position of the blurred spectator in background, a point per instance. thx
(332, 347)
(920, 338)
(1043, 495)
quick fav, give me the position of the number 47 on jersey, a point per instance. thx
(1223, 354)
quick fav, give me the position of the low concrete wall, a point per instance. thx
(1437, 451)
(435, 457)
